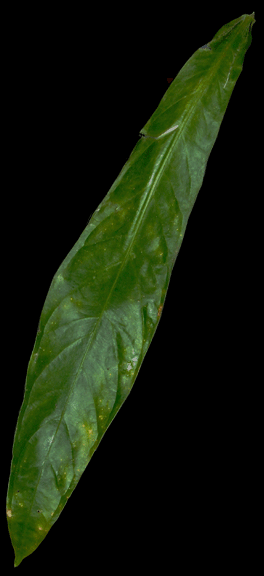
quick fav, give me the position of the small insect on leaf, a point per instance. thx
(106, 299)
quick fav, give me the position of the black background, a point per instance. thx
(172, 465)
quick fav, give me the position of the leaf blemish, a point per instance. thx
(160, 310)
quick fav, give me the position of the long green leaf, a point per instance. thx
(105, 300)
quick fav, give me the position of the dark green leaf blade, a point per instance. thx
(105, 301)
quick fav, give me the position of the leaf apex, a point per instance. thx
(18, 559)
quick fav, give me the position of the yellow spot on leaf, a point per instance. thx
(159, 310)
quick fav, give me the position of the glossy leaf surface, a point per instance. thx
(105, 300)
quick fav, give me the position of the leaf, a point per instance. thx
(106, 299)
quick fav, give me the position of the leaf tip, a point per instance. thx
(18, 559)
